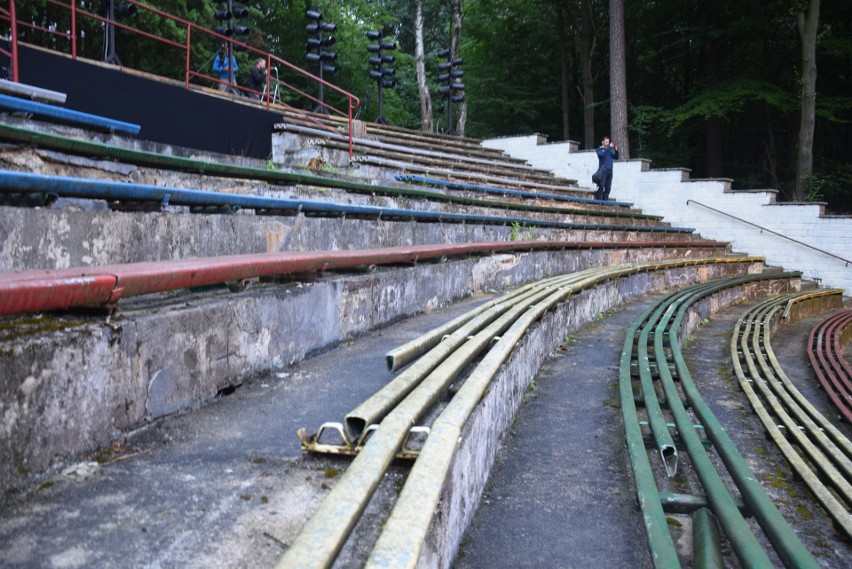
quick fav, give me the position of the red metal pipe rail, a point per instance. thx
(75, 11)
(12, 54)
(57, 289)
(825, 352)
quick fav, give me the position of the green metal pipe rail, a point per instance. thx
(493, 330)
(665, 361)
(145, 158)
(819, 453)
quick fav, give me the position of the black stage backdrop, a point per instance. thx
(166, 113)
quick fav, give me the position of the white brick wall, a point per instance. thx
(673, 195)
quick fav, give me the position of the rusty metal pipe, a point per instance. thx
(55, 289)
(825, 352)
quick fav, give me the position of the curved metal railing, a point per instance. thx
(825, 352)
(651, 361)
(59, 289)
(489, 333)
(178, 163)
(411, 178)
(29, 186)
(819, 453)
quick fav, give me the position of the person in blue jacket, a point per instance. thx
(607, 152)
(223, 68)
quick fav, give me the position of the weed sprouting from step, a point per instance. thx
(514, 233)
(331, 472)
(533, 385)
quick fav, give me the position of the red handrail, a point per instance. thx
(825, 352)
(59, 289)
(352, 101)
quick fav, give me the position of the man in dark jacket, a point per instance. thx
(607, 152)
(257, 78)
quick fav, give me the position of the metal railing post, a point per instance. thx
(73, 29)
(268, 81)
(188, 51)
(349, 100)
(13, 22)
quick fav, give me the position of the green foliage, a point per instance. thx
(529, 232)
(725, 99)
(533, 385)
(835, 109)
(511, 68)
(514, 233)
(813, 188)
(831, 182)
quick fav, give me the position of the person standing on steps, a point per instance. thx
(607, 152)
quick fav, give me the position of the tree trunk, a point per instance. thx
(618, 78)
(420, 64)
(587, 47)
(562, 18)
(807, 31)
(714, 45)
(455, 42)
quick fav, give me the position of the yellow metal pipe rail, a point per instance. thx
(405, 531)
(819, 453)
(410, 351)
(325, 533)
(377, 406)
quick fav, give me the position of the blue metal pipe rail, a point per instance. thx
(22, 186)
(411, 178)
(66, 116)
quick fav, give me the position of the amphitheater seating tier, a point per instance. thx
(160, 280)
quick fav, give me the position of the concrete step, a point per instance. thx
(79, 232)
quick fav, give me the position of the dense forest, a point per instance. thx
(712, 85)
